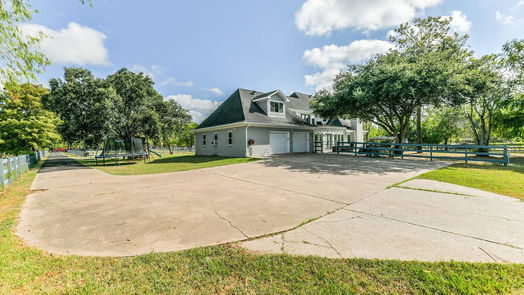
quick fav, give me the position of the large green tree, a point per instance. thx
(511, 117)
(174, 123)
(24, 124)
(426, 68)
(135, 105)
(85, 104)
(441, 125)
(20, 58)
(485, 97)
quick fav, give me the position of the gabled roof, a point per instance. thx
(230, 111)
(337, 122)
(240, 107)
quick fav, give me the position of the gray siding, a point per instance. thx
(222, 148)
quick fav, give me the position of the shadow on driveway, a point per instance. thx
(347, 165)
(59, 162)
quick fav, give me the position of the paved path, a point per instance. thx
(411, 224)
(77, 210)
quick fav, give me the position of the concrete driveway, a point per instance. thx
(77, 210)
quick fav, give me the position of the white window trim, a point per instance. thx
(280, 102)
(204, 140)
(232, 140)
(215, 138)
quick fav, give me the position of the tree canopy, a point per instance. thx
(24, 124)
(20, 58)
(84, 103)
(123, 105)
(427, 67)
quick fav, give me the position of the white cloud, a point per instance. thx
(320, 17)
(174, 82)
(150, 71)
(520, 3)
(459, 22)
(331, 59)
(76, 44)
(506, 19)
(198, 108)
(216, 91)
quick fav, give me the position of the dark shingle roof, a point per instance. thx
(337, 122)
(239, 107)
(230, 111)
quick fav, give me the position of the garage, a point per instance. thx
(300, 142)
(279, 142)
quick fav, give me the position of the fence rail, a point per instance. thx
(467, 153)
(12, 168)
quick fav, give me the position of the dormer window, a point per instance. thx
(276, 107)
(306, 118)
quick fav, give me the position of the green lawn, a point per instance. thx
(168, 163)
(230, 270)
(507, 181)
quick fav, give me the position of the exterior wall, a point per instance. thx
(356, 125)
(261, 148)
(222, 148)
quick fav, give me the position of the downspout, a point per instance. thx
(247, 145)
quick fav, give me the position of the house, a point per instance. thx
(255, 124)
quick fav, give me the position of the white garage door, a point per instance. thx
(279, 142)
(300, 142)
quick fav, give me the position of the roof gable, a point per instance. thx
(230, 111)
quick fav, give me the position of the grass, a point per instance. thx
(228, 269)
(168, 163)
(507, 181)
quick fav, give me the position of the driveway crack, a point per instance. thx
(437, 229)
(325, 240)
(279, 188)
(231, 223)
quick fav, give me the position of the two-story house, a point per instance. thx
(254, 124)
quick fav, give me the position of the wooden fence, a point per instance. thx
(468, 153)
(12, 168)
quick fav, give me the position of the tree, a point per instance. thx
(135, 105)
(440, 125)
(174, 121)
(485, 97)
(19, 58)
(426, 68)
(187, 137)
(24, 124)
(85, 104)
(511, 117)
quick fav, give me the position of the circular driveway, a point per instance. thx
(77, 210)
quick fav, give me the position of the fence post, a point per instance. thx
(20, 165)
(9, 171)
(2, 180)
(338, 147)
(466, 153)
(506, 156)
(431, 152)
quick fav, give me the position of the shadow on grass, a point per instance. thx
(487, 166)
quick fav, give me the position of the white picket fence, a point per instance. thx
(12, 168)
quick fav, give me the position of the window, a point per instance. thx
(277, 107)
(230, 137)
(203, 139)
(216, 138)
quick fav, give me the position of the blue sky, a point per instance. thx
(198, 52)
